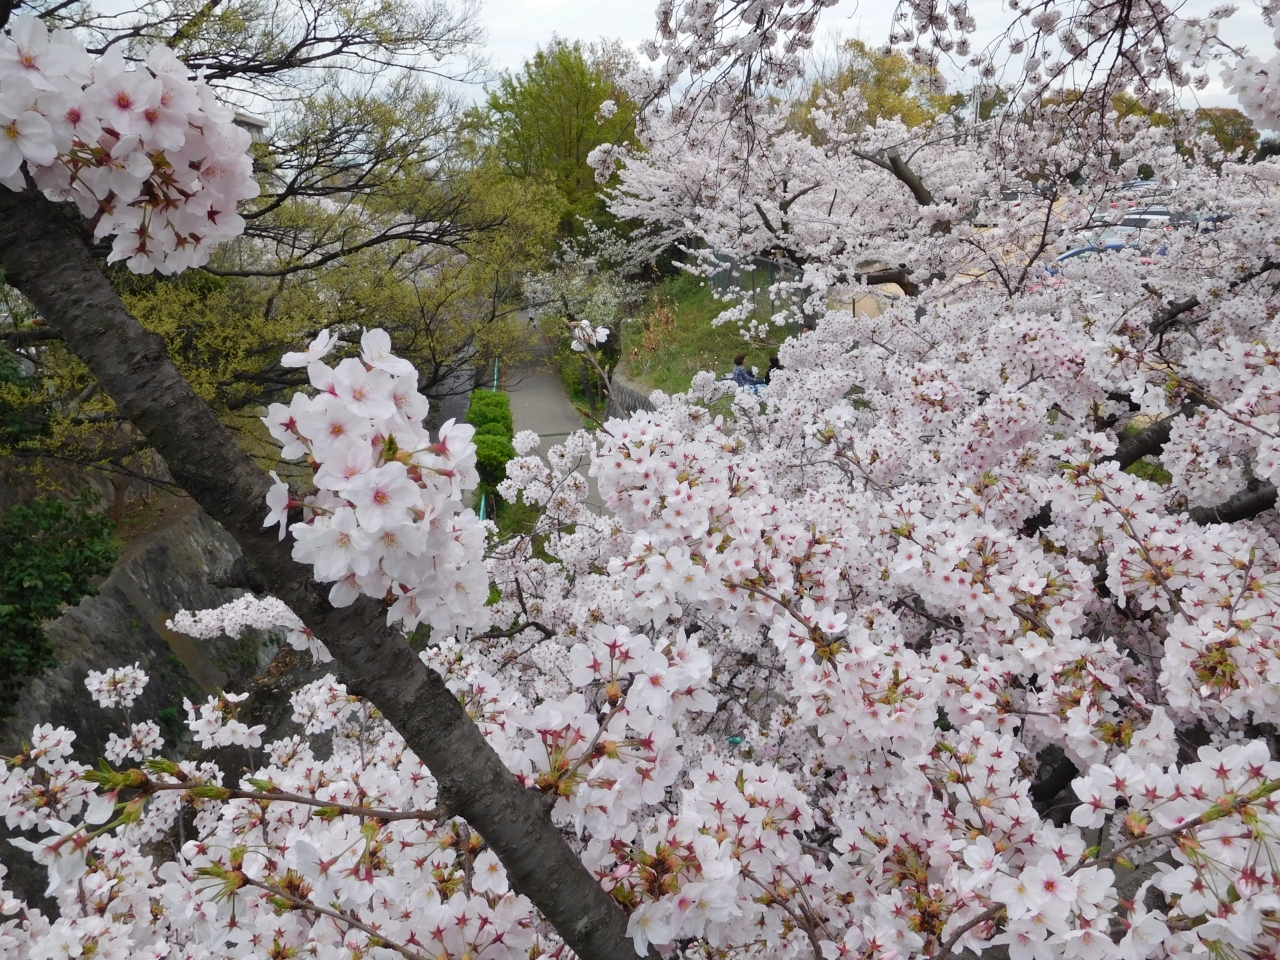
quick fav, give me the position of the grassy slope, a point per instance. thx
(674, 338)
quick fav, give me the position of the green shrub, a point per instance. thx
(49, 552)
(490, 407)
(1150, 468)
(492, 454)
(490, 414)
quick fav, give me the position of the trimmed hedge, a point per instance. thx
(490, 414)
(492, 454)
(488, 407)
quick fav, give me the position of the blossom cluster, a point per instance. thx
(310, 880)
(42, 786)
(249, 612)
(215, 723)
(144, 740)
(584, 336)
(387, 518)
(149, 155)
(117, 686)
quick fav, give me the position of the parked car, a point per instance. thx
(1145, 218)
(1207, 222)
(1104, 245)
(1141, 193)
(1100, 220)
(1106, 242)
(1151, 215)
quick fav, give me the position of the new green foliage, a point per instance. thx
(546, 119)
(24, 407)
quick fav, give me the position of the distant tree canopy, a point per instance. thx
(892, 87)
(545, 120)
(1231, 128)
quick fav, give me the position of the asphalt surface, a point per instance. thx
(539, 403)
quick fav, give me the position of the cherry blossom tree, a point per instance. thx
(957, 638)
(164, 215)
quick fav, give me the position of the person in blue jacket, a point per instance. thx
(741, 375)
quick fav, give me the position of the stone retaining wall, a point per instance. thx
(624, 399)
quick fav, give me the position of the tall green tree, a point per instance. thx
(546, 119)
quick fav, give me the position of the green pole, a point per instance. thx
(495, 374)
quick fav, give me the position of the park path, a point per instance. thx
(539, 402)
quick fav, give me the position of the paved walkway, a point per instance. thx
(539, 403)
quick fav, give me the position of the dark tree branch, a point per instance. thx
(1245, 504)
(1117, 396)
(910, 179)
(20, 338)
(1151, 440)
(1172, 311)
(785, 205)
(448, 235)
(547, 632)
(899, 275)
(188, 29)
(764, 217)
(106, 460)
(45, 255)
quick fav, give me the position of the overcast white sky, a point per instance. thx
(518, 27)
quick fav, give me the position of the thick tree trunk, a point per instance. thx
(119, 496)
(44, 253)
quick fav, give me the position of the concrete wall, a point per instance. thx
(624, 399)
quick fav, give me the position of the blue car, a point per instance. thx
(1052, 276)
